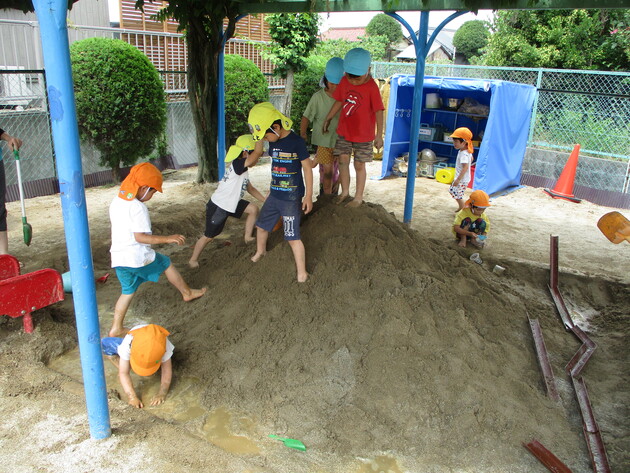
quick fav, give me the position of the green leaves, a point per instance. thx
(294, 36)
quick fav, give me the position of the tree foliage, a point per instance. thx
(245, 87)
(307, 82)
(119, 100)
(471, 38)
(376, 45)
(564, 39)
(385, 25)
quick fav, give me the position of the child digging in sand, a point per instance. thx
(227, 200)
(471, 224)
(288, 195)
(132, 256)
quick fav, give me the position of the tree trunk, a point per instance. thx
(202, 91)
(288, 93)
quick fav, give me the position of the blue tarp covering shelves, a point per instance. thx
(499, 158)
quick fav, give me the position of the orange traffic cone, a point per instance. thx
(564, 185)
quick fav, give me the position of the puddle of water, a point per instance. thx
(217, 430)
(380, 464)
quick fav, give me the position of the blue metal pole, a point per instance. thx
(54, 34)
(422, 47)
(221, 147)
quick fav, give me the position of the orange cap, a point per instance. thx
(143, 174)
(147, 349)
(478, 198)
(465, 134)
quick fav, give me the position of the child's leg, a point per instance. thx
(328, 175)
(4, 243)
(193, 262)
(252, 214)
(176, 280)
(120, 310)
(462, 241)
(261, 244)
(457, 192)
(299, 254)
(344, 176)
(361, 177)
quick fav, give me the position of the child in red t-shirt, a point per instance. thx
(360, 126)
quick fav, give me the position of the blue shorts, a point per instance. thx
(131, 278)
(289, 210)
(110, 345)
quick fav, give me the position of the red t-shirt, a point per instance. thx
(357, 118)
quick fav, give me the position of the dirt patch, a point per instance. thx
(398, 351)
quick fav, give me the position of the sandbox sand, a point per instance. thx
(398, 355)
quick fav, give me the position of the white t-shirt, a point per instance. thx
(463, 157)
(124, 349)
(129, 217)
(232, 187)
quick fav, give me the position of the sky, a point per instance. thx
(356, 19)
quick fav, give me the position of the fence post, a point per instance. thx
(532, 123)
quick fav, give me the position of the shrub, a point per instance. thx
(119, 99)
(245, 86)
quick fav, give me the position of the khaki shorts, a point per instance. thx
(363, 152)
(325, 155)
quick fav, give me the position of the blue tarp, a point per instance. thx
(500, 156)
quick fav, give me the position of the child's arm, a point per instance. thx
(307, 202)
(124, 368)
(378, 139)
(304, 127)
(255, 155)
(165, 383)
(463, 172)
(149, 239)
(333, 111)
(254, 192)
(463, 231)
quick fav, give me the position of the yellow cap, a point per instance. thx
(243, 142)
(262, 116)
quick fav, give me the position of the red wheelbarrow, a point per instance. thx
(22, 294)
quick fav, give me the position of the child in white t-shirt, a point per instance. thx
(227, 200)
(462, 141)
(145, 349)
(133, 258)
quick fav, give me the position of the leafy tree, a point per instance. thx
(564, 39)
(385, 25)
(245, 87)
(471, 38)
(294, 36)
(119, 98)
(376, 45)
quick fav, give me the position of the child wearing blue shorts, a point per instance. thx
(133, 258)
(288, 195)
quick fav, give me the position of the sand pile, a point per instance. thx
(396, 344)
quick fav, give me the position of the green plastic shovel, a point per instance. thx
(291, 443)
(26, 227)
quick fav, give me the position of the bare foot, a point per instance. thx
(257, 256)
(462, 244)
(195, 294)
(118, 332)
(249, 239)
(193, 264)
(340, 198)
(354, 203)
(302, 277)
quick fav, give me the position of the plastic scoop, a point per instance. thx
(615, 227)
(291, 443)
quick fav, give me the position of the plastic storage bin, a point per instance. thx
(430, 133)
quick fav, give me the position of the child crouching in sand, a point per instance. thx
(133, 258)
(471, 223)
(227, 200)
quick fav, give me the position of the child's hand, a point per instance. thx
(177, 239)
(158, 399)
(135, 402)
(325, 125)
(378, 143)
(307, 204)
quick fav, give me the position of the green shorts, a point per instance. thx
(131, 278)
